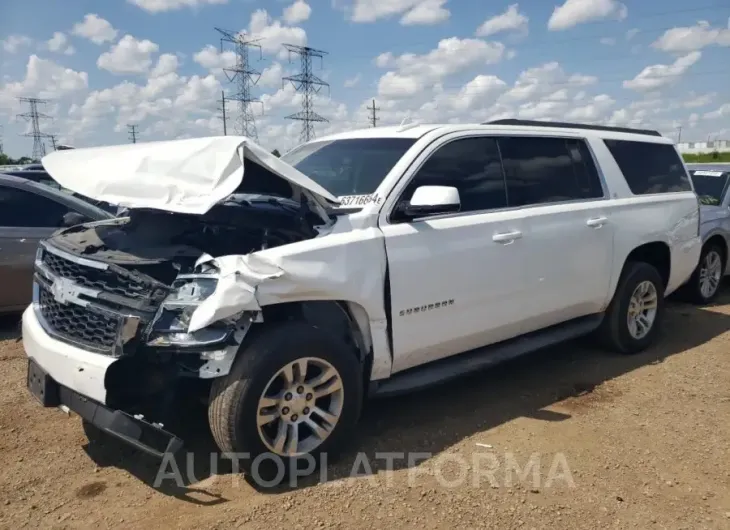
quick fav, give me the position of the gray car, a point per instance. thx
(29, 212)
(711, 184)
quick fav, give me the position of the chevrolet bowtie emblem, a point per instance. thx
(65, 291)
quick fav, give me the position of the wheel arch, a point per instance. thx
(717, 238)
(655, 253)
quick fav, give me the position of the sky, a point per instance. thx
(103, 65)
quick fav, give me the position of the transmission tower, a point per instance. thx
(132, 129)
(1, 139)
(373, 114)
(308, 85)
(245, 78)
(53, 142)
(222, 110)
(34, 117)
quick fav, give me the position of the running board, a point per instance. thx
(471, 361)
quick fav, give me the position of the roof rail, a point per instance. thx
(564, 125)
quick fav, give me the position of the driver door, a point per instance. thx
(457, 280)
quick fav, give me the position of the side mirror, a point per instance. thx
(73, 219)
(433, 200)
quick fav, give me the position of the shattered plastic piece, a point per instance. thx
(238, 278)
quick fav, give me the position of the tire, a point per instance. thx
(233, 410)
(615, 330)
(694, 288)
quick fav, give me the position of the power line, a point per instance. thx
(34, 117)
(132, 130)
(308, 84)
(245, 77)
(222, 110)
(373, 116)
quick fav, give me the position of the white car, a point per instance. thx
(363, 264)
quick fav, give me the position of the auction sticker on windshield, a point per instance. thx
(703, 173)
(348, 201)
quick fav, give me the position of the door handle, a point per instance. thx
(507, 237)
(596, 222)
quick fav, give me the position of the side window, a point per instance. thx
(548, 170)
(649, 167)
(472, 166)
(23, 209)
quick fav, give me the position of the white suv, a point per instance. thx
(367, 263)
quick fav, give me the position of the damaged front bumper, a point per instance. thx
(61, 375)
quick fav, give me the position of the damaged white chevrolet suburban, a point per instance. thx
(286, 291)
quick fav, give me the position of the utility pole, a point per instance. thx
(245, 78)
(373, 116)
(1, 139)
(223, 112)
(308, 84)
(132, 129)
(34, 117)
(679, 134)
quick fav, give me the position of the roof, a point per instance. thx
(415, 131)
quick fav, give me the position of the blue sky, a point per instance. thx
(155, 63)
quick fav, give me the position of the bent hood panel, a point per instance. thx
(183, 176)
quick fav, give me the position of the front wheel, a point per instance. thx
(292, 398)
(704, 285)
(632, 320)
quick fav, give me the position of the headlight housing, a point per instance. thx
(169, 328)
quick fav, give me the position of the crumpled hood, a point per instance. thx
(183, 176)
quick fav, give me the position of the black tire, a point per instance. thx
(614, 330)
(692, 290)
(233, 407)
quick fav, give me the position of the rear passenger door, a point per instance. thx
(568, 234)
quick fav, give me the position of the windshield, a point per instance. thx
(709, 186)
(349, 167)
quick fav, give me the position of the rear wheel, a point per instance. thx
(633, 318)
(290, 401)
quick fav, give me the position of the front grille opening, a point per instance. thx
(102, 280)
(78, 324)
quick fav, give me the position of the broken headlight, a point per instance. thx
(170, 327)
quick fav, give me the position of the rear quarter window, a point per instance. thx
(650, 167)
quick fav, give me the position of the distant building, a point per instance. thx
(699, 148)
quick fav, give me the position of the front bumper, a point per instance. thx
(62, 375)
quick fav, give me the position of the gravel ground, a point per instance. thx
(614, 442)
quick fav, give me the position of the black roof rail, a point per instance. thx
(565, 125)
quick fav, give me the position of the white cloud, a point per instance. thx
(510, 20)
(353, 81)
(608, 41)
(166, 64)
(296, 13)
(160, 6)
(426, 13)
(274, 34)
(95, 28)
(412, 12)
(722, 112)
(631, 33)
(45, 79)
(271, 76)
(59, 44)
(414, 72)
(13, 43)
(574, 12)
(212, 59)
(128, 56)
(696, 101)
(541, 81)
(660, 75)
(692, 38)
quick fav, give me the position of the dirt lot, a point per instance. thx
(635, 442)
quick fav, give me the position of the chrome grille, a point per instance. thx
(79, 324)
(101, 279)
